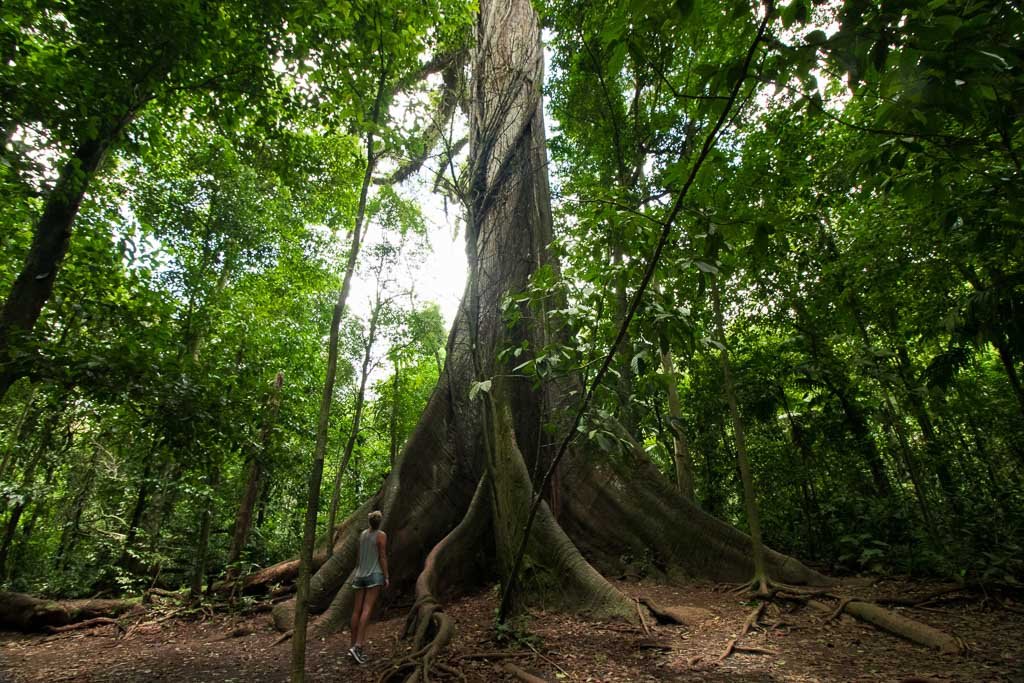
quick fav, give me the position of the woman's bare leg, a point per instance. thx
(367, 610)
(357, 609)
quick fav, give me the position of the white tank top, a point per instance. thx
(369, 561)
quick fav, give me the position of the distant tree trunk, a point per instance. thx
(28, 478)
(746, 476)
(264, 501)
(203, 545)
(681, 446)
(164, 501)
(39, 505)
(141, 503)
(807, 489)
(254, 474)
(357, 416)
(82, 488)
(23, 427)
(298, 664)
(1006, 358)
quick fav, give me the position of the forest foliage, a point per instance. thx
(861, 217)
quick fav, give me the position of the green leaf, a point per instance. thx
(477, 387)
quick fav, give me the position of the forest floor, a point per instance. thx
(805, 646)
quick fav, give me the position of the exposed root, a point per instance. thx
(680, 616)
(431, 629)
(287, 635)
(417, 665)
(451, 671)
(749, 624)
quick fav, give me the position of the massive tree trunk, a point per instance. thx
(597, 511)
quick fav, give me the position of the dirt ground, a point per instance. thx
(803, 645)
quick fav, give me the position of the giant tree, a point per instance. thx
(466, 469)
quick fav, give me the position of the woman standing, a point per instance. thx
(371, 574)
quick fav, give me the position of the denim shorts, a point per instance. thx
(369, 581)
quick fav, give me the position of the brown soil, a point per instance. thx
(803, 646)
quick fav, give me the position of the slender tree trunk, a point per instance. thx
(1006, 358)
(203, 545)
(254, 474)
(680, 444)
(393, 417)
(298, 664)
(626, 414)
(357, 415)
(834, 377)
(141, 503)
(746, 476)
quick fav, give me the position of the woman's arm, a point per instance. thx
(382, 554)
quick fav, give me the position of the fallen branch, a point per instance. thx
(643, 622)
(912, 630)
(21, 612)
(89, 623)
(549, 661)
